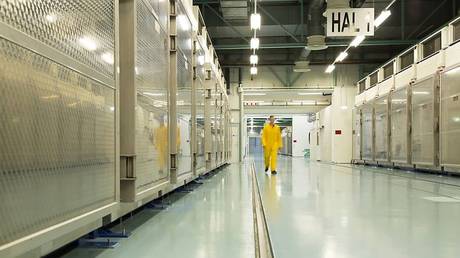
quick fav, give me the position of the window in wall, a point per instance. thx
(456, 26)
(432, 45)
(407, 59)
(388, 70)
(373, 79)
(362, 86)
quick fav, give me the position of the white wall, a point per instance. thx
(334, 147)
(300, 130)
(281, 76)
(342, 111)
(325, 134)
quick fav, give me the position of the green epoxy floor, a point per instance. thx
(319, 210)
(215, 220)
(314, 210)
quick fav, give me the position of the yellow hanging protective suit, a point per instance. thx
(271, 141)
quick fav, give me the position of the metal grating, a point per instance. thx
(423, 122)
(151, 113)
(57, 134)
(450, 118)
(357, 134)
(381, 128)
(367, 133)
(83, 30)
(399, 126)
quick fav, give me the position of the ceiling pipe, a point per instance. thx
(316, 39)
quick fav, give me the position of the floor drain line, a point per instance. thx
(263, 244)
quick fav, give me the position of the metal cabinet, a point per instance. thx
(57, 125)
(381, 126)
(356, 133)
(450, 119)
(400, 126)
(367, 138)
(425, 113)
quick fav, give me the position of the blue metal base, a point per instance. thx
(156, 205)
(99, 243)
(107, 233)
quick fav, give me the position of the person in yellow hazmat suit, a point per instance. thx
(271, 142)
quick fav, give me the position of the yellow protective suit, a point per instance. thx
(271, 141)
(161, 145)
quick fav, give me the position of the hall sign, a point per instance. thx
(350, 22)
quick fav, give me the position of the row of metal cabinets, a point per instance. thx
(105, 106)
(415, 125)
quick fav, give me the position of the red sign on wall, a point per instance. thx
(338, 132)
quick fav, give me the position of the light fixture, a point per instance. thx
(87, 43)
(201, 59)
(341, 56)
(253, 70)
(254, 59)
(255, 21)
(357, 40)
(330, 68)
(453, 71)
(255, 43)
(255, 94)
(51, 18)
(344, 107)
(381, 18)
(153, 94)
(421, 93)
(107, 57)
(309, 93)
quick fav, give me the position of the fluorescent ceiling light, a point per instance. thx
(254, 59)
(107, 57)
(253, 70)
(330, 68)
(255, 43)
(153, 94)
(254, 94)
(87, 43)
(201, 59)
(309, 93)
(382, 17)
(255, 21)
(357, 41)
(51, 18)
(341, 56)
(455, 70)
(421, 93)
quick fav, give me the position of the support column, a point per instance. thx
(172, 92)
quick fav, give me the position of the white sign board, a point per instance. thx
(350, 22)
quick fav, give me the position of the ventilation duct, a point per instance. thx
(302, 67)
(316, 39)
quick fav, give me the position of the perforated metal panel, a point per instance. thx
(399, 126)
(356, 134)
(200, 137)
(367, 145)
(184, 96)
(159, 9)
(184, 32)
(423, 122)
(381, 128)
(82, 30)
(151, 130)
(450, 118)
(57, 138)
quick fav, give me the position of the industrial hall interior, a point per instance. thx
(230, 128)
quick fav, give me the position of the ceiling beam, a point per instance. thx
(226, 22)
(279, 23)
(329, 44)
